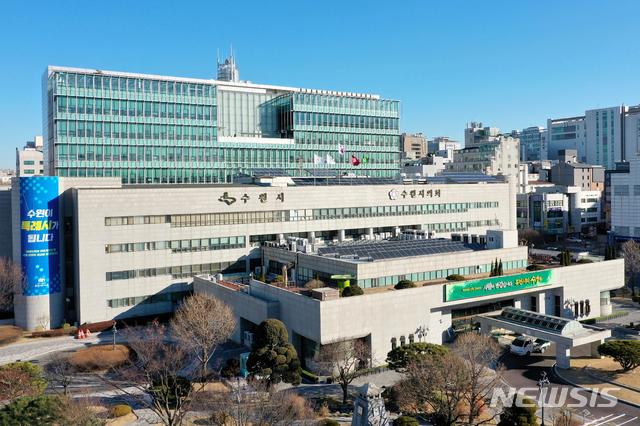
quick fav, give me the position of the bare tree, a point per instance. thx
(342, 360)
(60, 372)
(562, 416)
(310, 285)
(202, 323)
(529, 237)
(434, 387)
(155, 380)
(258, 404)
(480, 355)
(11, 282)
(631, 253)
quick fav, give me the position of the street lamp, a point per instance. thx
(114, 335)
(541, 384)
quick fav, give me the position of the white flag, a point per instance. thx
(330, 160)
(317, 159)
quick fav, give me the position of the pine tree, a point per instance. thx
(491, 274)
(317, 275)
(262, 277)
(500, 271)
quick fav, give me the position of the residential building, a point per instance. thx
(475, 134)
(620, 167)
(442, 146)
(413, 146)
(29, 160)
(570, 172)
(498, 156)
(156, 129)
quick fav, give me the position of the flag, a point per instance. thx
(365, 159)
(330, 160)
(354, 161)
(317, 159)
(341, 149)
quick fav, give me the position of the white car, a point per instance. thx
(574, 240)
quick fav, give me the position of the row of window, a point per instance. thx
(333, 103)
(140, 131)
(31, 163)
(144, 300)
(211, 219)
(177, 272)
(124, 108)
(181, 246)
(338, 122)
(589, 219)
(134, 85)
(351, 141)
(82, 152)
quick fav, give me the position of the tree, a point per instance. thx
(565, 258)
(154, 379)
(11, 282)
(626, 352)
(529, 237)
(500, 271)
(610, 253)
(492, 272)
(262, 277)
(404, 284)
(479, 354)
(60, 371)
(49, 410)
(20, 379)
(273, 358)
(342, 360)
(630, 251)
(434, 387)
(401, 356)
(202, 323)
(519, 414)
(352, 290)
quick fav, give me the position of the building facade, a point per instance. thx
(533, 143)
(500, 156)
(625, 203)
(413, 146)
(127, 250)
(442, 146)
(29, 160)
(156, 129)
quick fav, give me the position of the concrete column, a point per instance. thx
(542, 308)
(280, 238)
(341, 235)
(396, 231)
(312, 237)
(594, 349)
(369, 232)
(486, 329)
(563, 356)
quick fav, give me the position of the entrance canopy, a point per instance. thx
(566, 333)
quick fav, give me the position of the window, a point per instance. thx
(30, 163)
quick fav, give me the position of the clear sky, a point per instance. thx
(510, 64)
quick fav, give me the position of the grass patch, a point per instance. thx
(9, 334)
(593, 320)
(101, 358)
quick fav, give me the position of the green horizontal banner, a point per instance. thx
(497, 285)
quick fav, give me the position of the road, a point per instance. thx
(524, 372)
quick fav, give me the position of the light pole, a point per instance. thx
(541, 384)
(114, 335)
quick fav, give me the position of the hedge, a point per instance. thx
(310, 376)
(455, 277)
(585, 260)
(9, 334)
(55, 333)
(534, 267)
(405, 421)
(327, 422)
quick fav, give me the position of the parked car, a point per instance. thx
(574, 240)
(525, 346)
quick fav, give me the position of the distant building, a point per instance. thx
(413, 146)
(475, 134)
(621, 167)
(500, 155)
(625, 203)
(533, 143)
(442, 146)
(29, 160)
(428, 166)
(571, 172)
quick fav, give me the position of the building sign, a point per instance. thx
(414, 193)
(497, 285)
(228, 199)
(40, 235)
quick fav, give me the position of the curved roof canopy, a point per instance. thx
(545, 322)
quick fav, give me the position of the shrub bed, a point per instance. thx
(9, 334)
(454, 277)
(310, 376)
(584, 260)
(404, 284)
(100, 358)
(55, 333)
(405, 421)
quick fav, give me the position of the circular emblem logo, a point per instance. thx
(393, 194)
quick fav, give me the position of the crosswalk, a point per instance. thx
(613, 420)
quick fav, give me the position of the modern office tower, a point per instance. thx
(442, 146)
(155, 129)
(533, 143)
(29, 161)
(413, 146)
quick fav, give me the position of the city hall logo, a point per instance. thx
(393, 194)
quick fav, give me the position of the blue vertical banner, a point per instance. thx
(40, 235)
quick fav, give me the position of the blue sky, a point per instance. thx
(507, 64)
